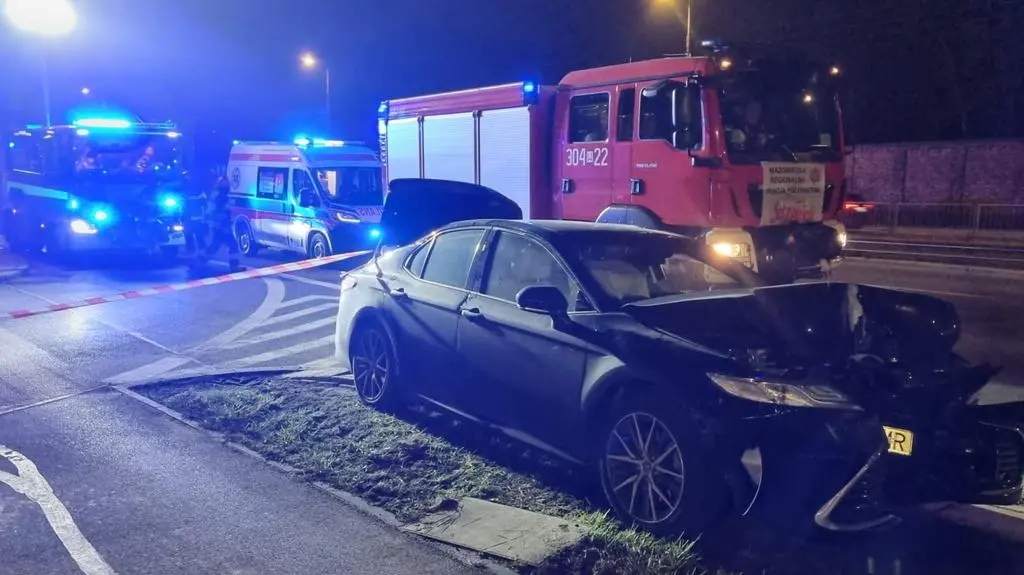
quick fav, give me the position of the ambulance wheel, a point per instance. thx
(318, 246)
(246, 243)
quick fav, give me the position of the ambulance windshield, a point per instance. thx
(351, 185)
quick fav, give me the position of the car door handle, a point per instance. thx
(398, 293)
(471, 312)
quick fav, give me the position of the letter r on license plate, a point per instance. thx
(901, 441)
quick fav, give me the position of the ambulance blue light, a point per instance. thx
(529, 87)
(173, 135)
(382, 110)
(169, 202)
(73, 204)
(235, 142)
(302, 141)
(374, 233)
(81, 132)
(100, 216)
(115, 123)
(10, 145)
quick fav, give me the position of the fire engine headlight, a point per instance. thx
(727, 249)
(80, 226)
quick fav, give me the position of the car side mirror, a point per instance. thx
(308, 198)
(543, 299)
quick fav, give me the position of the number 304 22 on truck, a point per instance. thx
(746, 153)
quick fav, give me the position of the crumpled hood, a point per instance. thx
(812, 322)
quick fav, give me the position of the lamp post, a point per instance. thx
(689, 19)
(46, 19)
(309, 61)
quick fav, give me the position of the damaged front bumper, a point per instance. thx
(853, 472)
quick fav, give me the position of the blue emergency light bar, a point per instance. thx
(112, 123)
(304, 141)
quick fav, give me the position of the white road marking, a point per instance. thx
(285, 352)
(271, 336)
(151, 370)
(23, 361)
(30, 483)
(271, 302)
(306, 299)
(300, 279)
(298, 313)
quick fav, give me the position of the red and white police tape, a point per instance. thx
(182, 286)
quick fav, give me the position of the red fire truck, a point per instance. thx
(744, 152)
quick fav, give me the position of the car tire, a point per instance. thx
(246, 241)
(374, 363)
(318, 246)
(675, 469)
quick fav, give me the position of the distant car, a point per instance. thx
(856, 211)
(692, 388)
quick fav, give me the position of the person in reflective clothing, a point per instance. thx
(194, 219)
(218, 219)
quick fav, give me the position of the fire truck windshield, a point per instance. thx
(780, 115)
(127, 156)
(351, 185)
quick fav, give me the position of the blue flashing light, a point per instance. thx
(81, 132)
(169, 202)
(374, 233)
(173, 135)
(33, 126)
(100, 216)
(10, 145)
(73, 204)
(235, 142)
(302, 141)
(383, 108)
(529, 87)
(113, 123)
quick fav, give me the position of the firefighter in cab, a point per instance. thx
(218, 220)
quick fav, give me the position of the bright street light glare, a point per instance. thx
(43, 17)
(86, 91)
(308, 60)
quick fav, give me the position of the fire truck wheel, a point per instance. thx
(246, 243)
(318, 246)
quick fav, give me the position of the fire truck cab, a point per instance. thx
(745, 153)
(311, 196)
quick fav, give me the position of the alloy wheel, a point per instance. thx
(371, 365)
(645, 469)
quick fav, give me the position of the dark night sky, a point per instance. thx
(915, 69)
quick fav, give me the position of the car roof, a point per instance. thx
(548, 229)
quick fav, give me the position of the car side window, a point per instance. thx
(517, 262)
(419, 257)
(451, 257)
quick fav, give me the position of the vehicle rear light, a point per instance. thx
(347, 282)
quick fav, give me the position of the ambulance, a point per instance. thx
(315, 197)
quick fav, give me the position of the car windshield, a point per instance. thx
(127, 156)
(779, 115)
(351, 185)
(628, 267)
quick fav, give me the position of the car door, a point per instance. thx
(274, 207)
(586, 165)
(522, 373)
(424, 304)
(304, 218)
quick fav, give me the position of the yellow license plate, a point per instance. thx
(901, 441)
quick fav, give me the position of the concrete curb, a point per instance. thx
(354, 501)
(1003, 521)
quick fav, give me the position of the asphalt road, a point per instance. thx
(100, 481)
(122, 488)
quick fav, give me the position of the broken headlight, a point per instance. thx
(777, 393)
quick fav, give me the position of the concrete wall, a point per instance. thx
(980, 171)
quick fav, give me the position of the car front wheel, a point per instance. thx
(374, 367)
(654, 469)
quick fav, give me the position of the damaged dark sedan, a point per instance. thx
(693, 389)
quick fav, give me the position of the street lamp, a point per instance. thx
(86, 91)
(46, 18)
(689, 19)
(309, 61)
